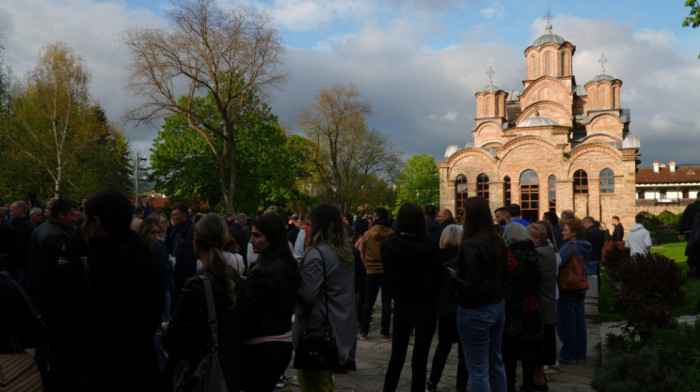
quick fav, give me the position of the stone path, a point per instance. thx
(373, 358)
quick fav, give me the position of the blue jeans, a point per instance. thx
(481, 332)
(571, 326)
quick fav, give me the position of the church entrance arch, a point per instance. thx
(530, 195)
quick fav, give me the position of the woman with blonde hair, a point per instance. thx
(447, 319)
(327, 291)
(188, 332)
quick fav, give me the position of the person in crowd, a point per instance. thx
(571, 324)
(502, 215)
(233, 256)
(8, 241)
(434, 229)
(361, 226)
(150, 230)
(238, 232)
(327, 291)
(414, 274)
(478, 282)
(36, 217)
(445, 218)
(163, 223)
(180, 240)
(447, 318)
(685, 227)
(271, 292)
(553, 220)
(137, 218)
(596, 238)
(522, 338)
(146, 206)
(515, 213)
(293, 228)
(566, 216)
(348, 219)
(107, 305)
(371, 249)
(618, 230)
(19, 322)
(638, 239)
(188, 332)
(23, 231)
(547, 303)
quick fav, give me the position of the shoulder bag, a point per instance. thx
(19, 371)
(316, 348)
(207, 377)
(572, 277)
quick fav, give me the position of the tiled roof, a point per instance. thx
(646, 175)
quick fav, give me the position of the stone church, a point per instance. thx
(553, 146)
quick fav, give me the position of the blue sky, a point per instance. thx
(419, 62)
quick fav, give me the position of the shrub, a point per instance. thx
(644, 370)
(651, 221)
(645, 290)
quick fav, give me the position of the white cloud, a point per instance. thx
(495, 10)
(449, 116)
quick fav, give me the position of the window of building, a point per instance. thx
(461, 191)
(482, 186)
(533, 67)
(640, 195)
(662, 194)
(602, 98)
(506, 191)
(552, 192)
(562, 65)
(530, 195)
(607, 181)
(580, 182)
(547, 64)
(686, 193)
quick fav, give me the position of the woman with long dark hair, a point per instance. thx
(271, 292)
(327, 285)
(414, 274)
(188, 332)
(479, 280)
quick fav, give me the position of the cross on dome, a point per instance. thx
(603, 60)
(490, 73)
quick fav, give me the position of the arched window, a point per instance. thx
(580, 182)
(530, 195)
(461, 191)
(482, 186)
(552, 192)
(602, 97)
(489, 106)
(506, 191)
(547, 64)
(562, 64)
(615, 97)
(607, 181)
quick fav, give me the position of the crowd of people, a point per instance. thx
(114, 297)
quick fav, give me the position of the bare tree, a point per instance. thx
(228, 53)
(348, 159)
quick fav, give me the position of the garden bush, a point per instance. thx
(644, 370)
(651, 221)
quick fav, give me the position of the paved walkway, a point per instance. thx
(373, 358)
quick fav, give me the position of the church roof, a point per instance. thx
(491, 87)
(548, 37)
(537, 121)
(603, 76)
(646, 175)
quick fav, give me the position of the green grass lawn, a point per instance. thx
(671, 247)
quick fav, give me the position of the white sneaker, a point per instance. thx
(295, 381)
(283, 381)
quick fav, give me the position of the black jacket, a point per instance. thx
(434, 229)
(181, 245)
(113, 308)
(688, 216)
(271, 292)
(46, 246)
(17, 317)
(188, 333)
(478, 283)
(24, 230)
(597, 239)
(617, 235)
(412, 267)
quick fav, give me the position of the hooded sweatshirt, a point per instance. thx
(638, 240)
(371, 248)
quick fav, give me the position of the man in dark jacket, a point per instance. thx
(597, 239)
(181, 246)
(237, 231)
(618, 232)
(107, 306)
(686, 227)
(445, 218)
(23, 230)
(434, 228)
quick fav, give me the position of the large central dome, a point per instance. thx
(548, 37)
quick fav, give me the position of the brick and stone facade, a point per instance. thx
(561, 145)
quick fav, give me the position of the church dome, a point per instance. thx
(537, 121)
(491, 87)
(603, 76)
(547, 38)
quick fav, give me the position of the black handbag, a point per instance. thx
(207, 377)
(316, 348)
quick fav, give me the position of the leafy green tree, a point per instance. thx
(692, 19)
(348, 159)
(269, 162)
(419, 181)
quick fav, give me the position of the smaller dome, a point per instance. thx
(491, 87)
(603, 76)
(451, 150)
(537, 121)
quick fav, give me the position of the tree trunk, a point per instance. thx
(231, 201)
